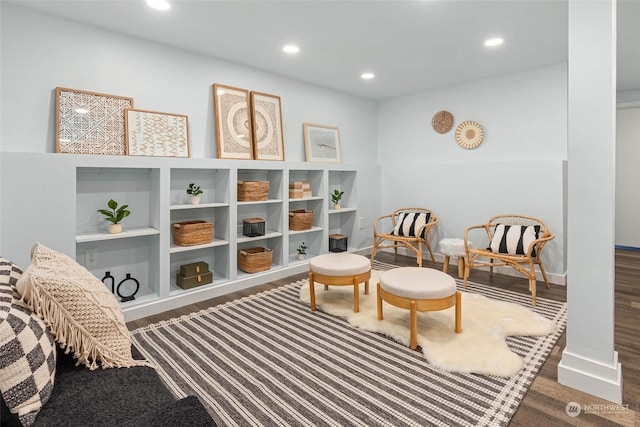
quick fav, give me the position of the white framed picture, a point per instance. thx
(322, 143)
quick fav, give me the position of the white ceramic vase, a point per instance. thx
(336, 206)
(301, 256)
(115, 228)
(195, 200)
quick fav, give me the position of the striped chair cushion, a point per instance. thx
(513, 239)
(27, 351)
(409, 222)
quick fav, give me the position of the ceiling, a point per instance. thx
(409, 45)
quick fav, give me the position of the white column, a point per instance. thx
(589, 362)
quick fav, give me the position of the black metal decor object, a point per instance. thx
(131, 297)
(113, 281)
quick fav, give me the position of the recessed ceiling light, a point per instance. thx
(159, 4)
(367, 76)
(290, 48)
(496, 41)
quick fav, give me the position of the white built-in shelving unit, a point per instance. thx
(155, 190)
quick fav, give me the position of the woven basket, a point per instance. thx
(251, 191)
(189, 233)
(300, 219)
(252, 260)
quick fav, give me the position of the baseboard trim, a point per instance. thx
(554, 278)
(591, 376)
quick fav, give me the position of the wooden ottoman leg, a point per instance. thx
(380, 315)
(458, 312)
(366, 287)
(312, 293)
(460, 267)
(356, 296)
(413, 314)
(445, 267)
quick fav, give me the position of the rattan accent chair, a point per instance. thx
(406, 227)
(515, 241)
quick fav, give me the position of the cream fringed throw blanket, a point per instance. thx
(79, 310)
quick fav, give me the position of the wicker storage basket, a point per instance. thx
(189, 233)
(252, 260)
(300, 219)
(251, 191)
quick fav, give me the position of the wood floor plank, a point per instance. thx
(546, 401)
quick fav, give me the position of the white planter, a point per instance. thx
(115, 228)
(195, 200)
(301, 256)
(336, 206)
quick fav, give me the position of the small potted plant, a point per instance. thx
(302, 251)
(115, 215)
(336, 196)
(194, 191)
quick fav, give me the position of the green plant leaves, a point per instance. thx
(116, 214)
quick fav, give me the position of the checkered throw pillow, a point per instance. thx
(27, 351)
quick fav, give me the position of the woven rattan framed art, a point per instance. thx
(233, 122)
(151, 133)
(266, 116)
(90, 122)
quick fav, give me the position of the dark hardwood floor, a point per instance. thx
(546, 400)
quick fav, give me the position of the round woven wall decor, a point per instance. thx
(442, 121)
(469, 134)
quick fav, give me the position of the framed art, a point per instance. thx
(90, 122)
(233, 122)
(150, 133)
(266, 115)
(322, 143)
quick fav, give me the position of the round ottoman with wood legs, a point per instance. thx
(339, 269)
(419, 289)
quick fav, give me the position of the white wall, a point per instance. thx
(627, 177)
(518, 168)
(40, 53)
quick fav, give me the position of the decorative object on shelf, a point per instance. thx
(194, 274)
(151, 133)
(300, 190)
(442, 121)
(300, 219)
(253, 260)
(336, 196)
(190, 233)
(90, 122)
(253, 191)
(128, 296)
(469, 134)
(266, 116)
(115, 215)
(194, 191)
(108, 276)
(252, 227)
(322, 143)
(233, 122)
(302, 251)
(337, 243)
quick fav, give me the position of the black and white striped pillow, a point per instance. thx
(27, 351)
(409, 222)
(514, 239)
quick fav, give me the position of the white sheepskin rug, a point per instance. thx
(480, 348)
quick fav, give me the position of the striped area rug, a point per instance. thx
(267, 360)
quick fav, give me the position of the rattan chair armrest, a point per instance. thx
(375, 222)
(539, 243)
